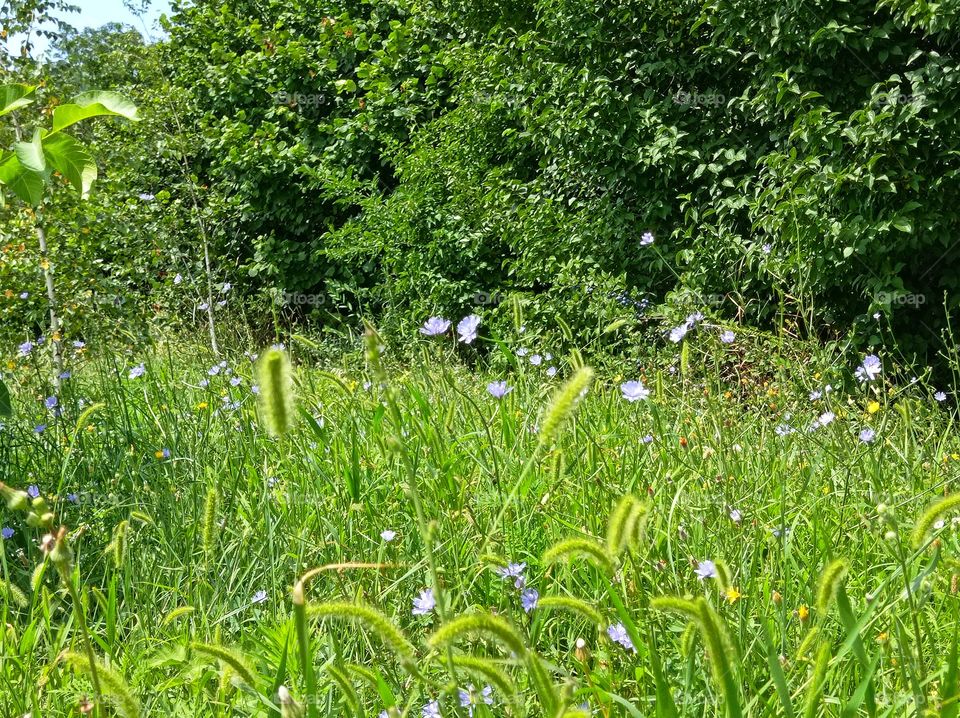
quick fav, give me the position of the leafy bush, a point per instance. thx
(794, 160)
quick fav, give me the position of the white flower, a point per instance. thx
(634, 391)
(467, 328)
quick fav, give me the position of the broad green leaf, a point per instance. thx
(30, 153)
(93, 104)
(24, 183)
(71, 159)
(6, 406)
(903, 224)
(13, 97)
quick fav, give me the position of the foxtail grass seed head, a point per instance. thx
(275, 378)
(723, 576)
(373, 353)
(831, 579)
(564, 404)
(392, 637)
(929, 518)
(517, 308)
(576, 360)
(579, 547)
(230, 659)
(483, 623)
(626, 524)
(815, 687)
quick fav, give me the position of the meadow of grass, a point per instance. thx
(391, 536)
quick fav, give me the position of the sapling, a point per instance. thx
(26, 168)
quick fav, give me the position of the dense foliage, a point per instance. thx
(792, 159)
(574, 474)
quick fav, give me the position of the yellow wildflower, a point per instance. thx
(732, 594)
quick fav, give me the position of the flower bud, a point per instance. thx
(288, 706)
(16, 500)
(61, 555)
(581, 651)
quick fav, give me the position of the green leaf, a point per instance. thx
(24, 183)
(13, 97)
(776, 673)
(949, 690)
(849, 621)
(903, 224)
(93, 104)
(30, 153)
(666, 708)
(71, 159)
(6, 406)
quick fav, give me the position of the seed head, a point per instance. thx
(276, 391)
(564, 404)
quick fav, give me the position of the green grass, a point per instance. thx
(169, 551)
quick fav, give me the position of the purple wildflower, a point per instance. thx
(424, 603)
(634, 391)
(467, 328)
(498, 389)
(618, 634)
(435, 326)
(706, 569)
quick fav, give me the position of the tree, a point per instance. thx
(26, 168)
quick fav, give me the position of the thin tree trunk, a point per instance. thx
(213, 331)
(55, 338)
